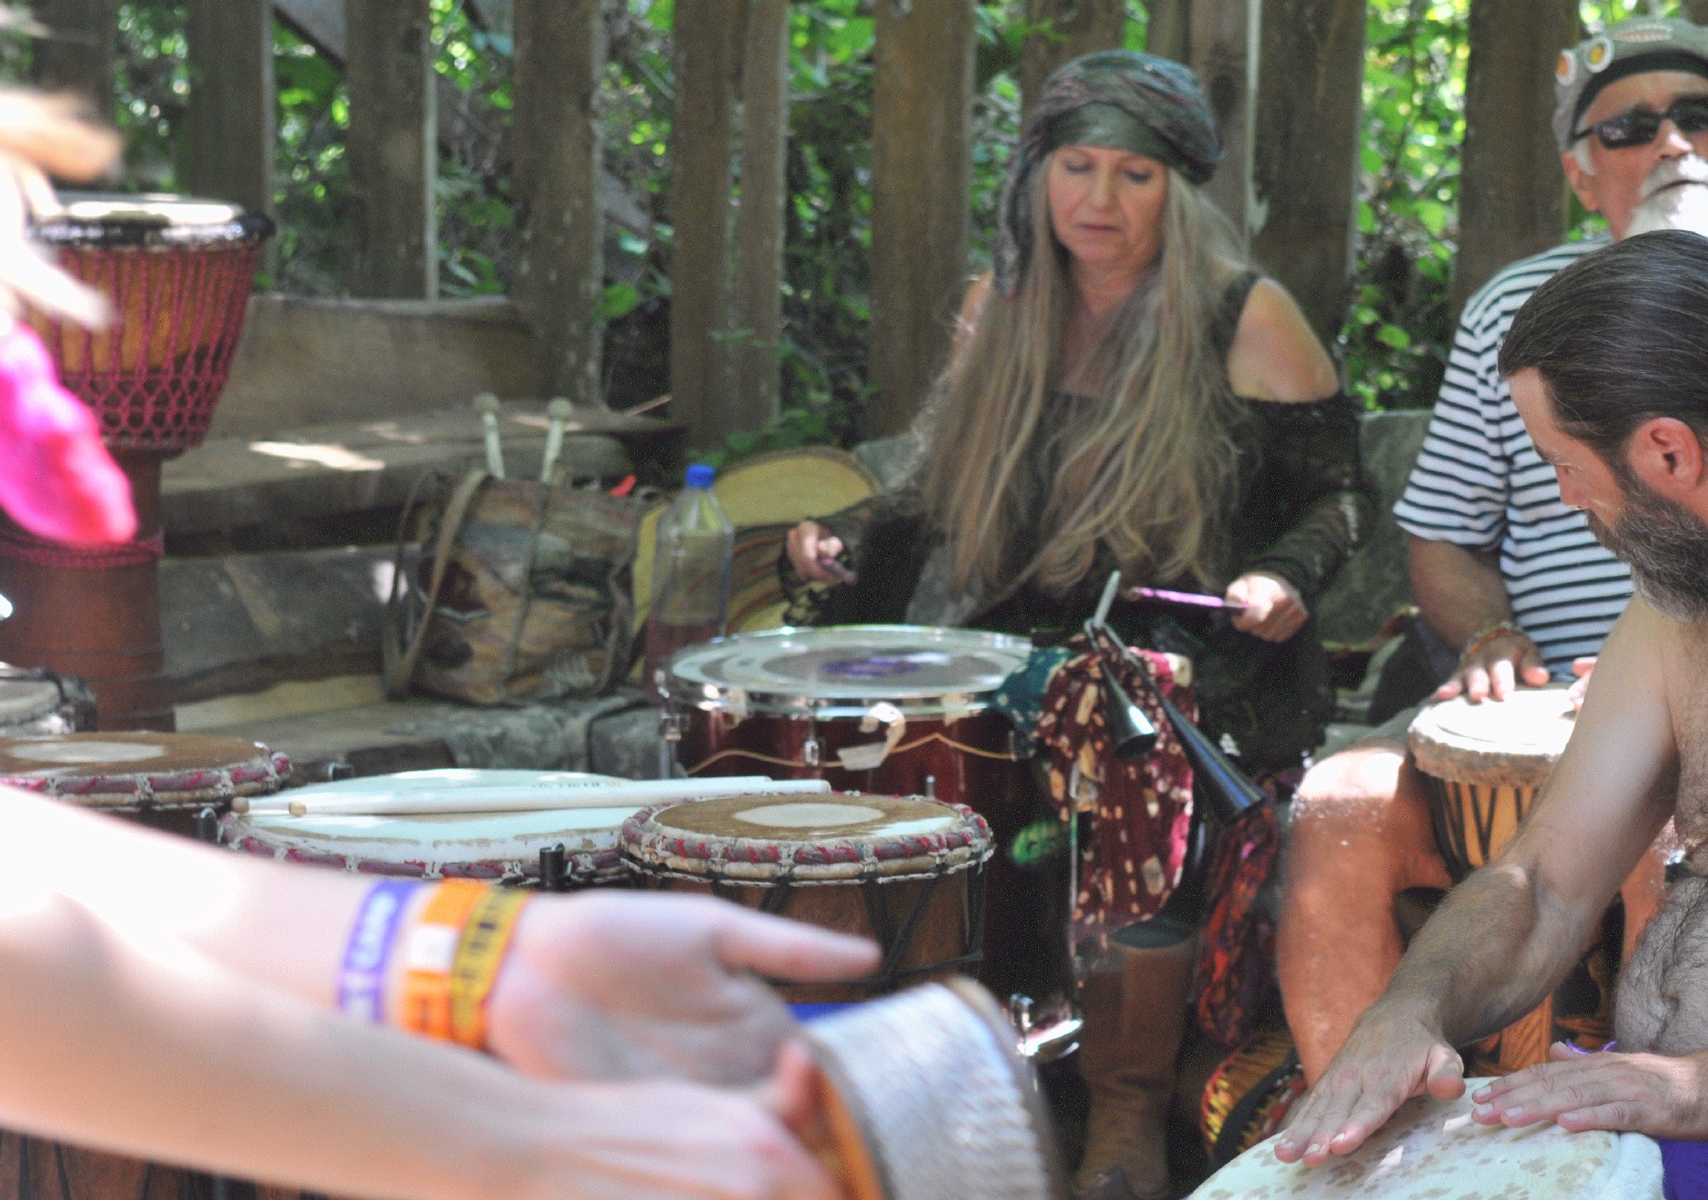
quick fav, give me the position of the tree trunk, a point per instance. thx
(1697, 10)
(80, 57)
(1072, 28)
(1512, 195)
(1222, 47)
(560, 271)
(229, 135)
(1168, 33)
(921, 168)
(756, 320)
(1304, 172)
(708, 56)
(391, 149)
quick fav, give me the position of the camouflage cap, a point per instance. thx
(1630, 47)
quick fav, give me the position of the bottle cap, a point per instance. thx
(700, 476)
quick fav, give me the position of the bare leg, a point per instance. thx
(1361, 833)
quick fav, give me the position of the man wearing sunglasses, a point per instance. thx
(1499, 566)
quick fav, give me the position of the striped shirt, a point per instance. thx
(1479, 483)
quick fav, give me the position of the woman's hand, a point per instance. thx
(1274, 610)
(1628, 1093)
(810, 547)
(621, 985)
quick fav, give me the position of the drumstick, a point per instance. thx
(499, 798)
(1195, 599)
(559, 411)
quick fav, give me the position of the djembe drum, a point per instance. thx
(897, 710)
(905, 871)
(1485, 765)
(1431, 1148)
(177, 273)
(559, 849)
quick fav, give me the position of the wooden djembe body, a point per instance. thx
(178, 275)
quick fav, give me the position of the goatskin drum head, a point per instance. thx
(802, 670)
(1498, 743)
(144, 769)
(24, 699)
(1431, 1149)
(849, 835)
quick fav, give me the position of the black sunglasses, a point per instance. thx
(1639, 126)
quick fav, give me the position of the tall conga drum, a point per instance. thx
(177, 273)
(1485, 765)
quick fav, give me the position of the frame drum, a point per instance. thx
(905, 871)
(501, 846)
(898, 710)
(1431, 1148)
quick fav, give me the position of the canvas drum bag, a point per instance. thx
(521, 592)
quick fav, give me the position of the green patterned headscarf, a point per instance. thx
(1118, 99)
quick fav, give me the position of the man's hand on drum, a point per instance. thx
(620, 985)
(1629, 1093)
(811, 546)
(1274, 610)
(1494, 668)
(1387, 1060)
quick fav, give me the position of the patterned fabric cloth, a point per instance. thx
(1162, 97)
(1235, 973)
(1142, 810)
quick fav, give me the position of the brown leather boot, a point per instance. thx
(1135, 1017)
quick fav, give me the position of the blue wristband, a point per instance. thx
(361, 985)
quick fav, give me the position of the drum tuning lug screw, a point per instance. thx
(670, 726)
(931, 787)
(809, 752)
(552, 868)
(1020, 1012)
(207, 826)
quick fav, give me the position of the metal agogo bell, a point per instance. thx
(1131, 734)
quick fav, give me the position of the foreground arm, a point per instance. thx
(1460, 593)
(1507, 934)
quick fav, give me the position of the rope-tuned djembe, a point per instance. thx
(177, 273)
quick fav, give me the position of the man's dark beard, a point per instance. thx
(1666, 547)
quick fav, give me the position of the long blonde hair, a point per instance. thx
(1145, 467)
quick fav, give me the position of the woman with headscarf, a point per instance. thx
(1125, 393)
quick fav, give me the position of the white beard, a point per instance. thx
(1682, 206)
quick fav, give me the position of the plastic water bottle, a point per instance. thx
(690, 576)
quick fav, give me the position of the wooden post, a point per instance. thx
(560, 272)
(921, 168)
(1070, 28)
(391, 148)
(708, 55)
(1168, 34)
(1512, 193)
(1304, 172)
(79, 57)
(229, 136)
(756, 315)
(1222, 49)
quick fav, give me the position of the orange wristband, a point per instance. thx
(430, 951)
(480, 954)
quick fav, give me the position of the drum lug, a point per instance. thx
(931, 787)
(809, 751)
(671, 725)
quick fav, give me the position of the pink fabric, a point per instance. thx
(56, 478)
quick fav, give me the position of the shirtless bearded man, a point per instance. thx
(1607, 364)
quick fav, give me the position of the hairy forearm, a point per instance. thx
(1458, 591)
(1492, 951)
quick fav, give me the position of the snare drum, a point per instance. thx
(1432, 1148)
(158, 779)
(893, 709)
(905, 871)
(502, 846)
(1485, 763)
